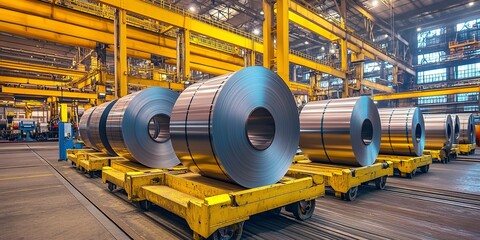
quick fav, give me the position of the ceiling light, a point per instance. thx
(261, 12)
(471, 3)
(373, 39)
(419, 29)
(374, 3)
(256, 31)
(306, 42)
(323, 48)
(386, 35)
(192, 9)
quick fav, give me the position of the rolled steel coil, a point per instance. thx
(98, 129)
(467, 128)
(83, 127)
(456, 128)
(341, 131)
(403, 131)
(138, 127)
(241, 127)
(438, 131)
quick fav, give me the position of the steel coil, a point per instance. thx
(97, 127)
(341, 131)
(456, 128)
(438, 131)
(83, 127)
(138, 127)
(403, 131)
(241, 127)
(467, 128)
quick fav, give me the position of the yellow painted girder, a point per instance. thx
(377, 86)
(158, 45)
(427, 93)
(341, 33)
(20, 80)
(50, 93)
(172, 16)
(40, 68)
(156, 83)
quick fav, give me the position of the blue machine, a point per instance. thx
(65, 139)
(26, 126)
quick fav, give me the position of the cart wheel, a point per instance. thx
(425, 168)
(144, 205)
(233, 231)
(351, 194)
(275, 211)
(303, 210)
(91, 174)
(381, 182)
(412, 174)
(111, 186)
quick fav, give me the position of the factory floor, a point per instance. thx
(42, 198)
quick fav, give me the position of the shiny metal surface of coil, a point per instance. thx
(97, 126)
(456, 128)
(138, 127)
(403, 131)
(467, 128)
(83, 127)
(438, 131)
(341, 131)
(241, 127)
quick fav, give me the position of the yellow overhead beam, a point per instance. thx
(174, 16)
(377, 86)
(40, 68)
(319, 67)
(50, 93)
(361, 46)
(157, 44)
(427, 93)
(156, 83)
(33, 81)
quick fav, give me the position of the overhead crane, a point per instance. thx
(428, 93)
(138, 45)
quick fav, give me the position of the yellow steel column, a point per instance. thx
(186, 36)
(120, 42)
(395, 75)
(359, 59)
(343, 46)
(268, 46)
(282, 41)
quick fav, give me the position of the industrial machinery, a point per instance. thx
(27, 128)
(65, 138)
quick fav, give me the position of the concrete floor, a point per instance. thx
(36, 204)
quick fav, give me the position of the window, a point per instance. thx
(371, 79)
(324, 84)
(432, 100)
(430, 76)
(430, 57)
(464, 97)
(430, 38)
(475, 23)
(468, 71)
(371, 67)
(471, 108)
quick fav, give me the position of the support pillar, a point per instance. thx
(282, 41)
(120, 42)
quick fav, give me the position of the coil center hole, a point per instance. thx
(159, 128)
(367, 132)
(457, 129)
(260, 128)
(449, 131)
(418, 133)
